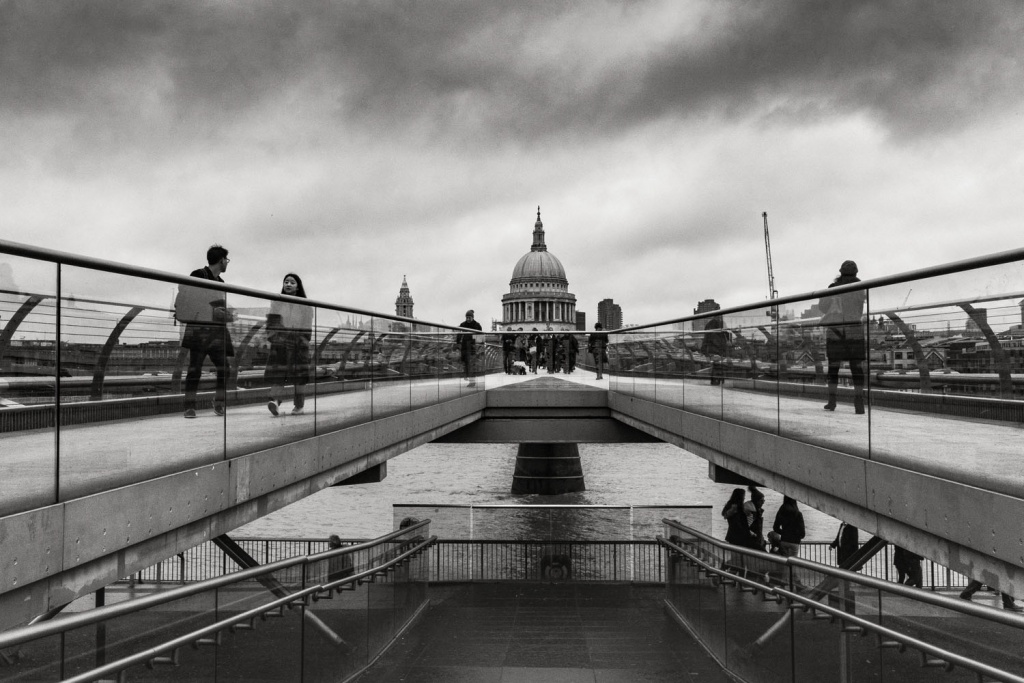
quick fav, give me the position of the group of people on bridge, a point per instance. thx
(555, 351)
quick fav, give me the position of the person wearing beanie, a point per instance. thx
(845, 339)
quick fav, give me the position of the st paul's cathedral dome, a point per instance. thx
(539, 294)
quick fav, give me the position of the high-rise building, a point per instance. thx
(581, 320)
(539, 294)
(704, 307)
(403, 304)
(609, 314)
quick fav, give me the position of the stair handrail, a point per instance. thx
(1004, 617)
(808, 603)
(192, 638)
(24, 634)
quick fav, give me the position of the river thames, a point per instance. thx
(479, 474)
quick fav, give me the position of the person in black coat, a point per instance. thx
(738, 532)
(788, 527)
(714, 345)
(845, 339)
(846, 543)
(908, 566)
(205, 314)
(508, 350)
(597, 345)
(467, 344)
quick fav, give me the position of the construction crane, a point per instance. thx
(772, 292)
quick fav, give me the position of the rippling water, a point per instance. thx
(447, 474)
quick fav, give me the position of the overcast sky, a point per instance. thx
(355, 142)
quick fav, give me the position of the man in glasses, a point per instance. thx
(205, 315)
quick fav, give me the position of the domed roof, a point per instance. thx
(538, 263)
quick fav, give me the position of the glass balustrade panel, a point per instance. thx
(449, 364)
(758, 640)
(339, 646)
(705, 344)
(826, 376)
(645, 352)
(270, 387)
(617, 363)
(28, 383)
(271, 650)
(675, 365)
(344, 370)
(128, 357)
(748, 371)
(108, 641)
(947, 376)
(821, 647)
(421, 366)
(980, 639)
(381, 622)
(38, 661)
(391, 393)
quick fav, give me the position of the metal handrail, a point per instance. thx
(943, 657)
(64, 258)
(41, 630)
(966, 607)
(996, 259)
(192, 638)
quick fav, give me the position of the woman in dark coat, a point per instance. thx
(844, 336)
(739, 530)
(789, 527)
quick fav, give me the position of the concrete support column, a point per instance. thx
(548, 469)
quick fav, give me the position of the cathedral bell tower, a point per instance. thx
(403, 304)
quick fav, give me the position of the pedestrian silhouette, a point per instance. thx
(844, 336)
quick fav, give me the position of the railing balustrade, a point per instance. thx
(92, 367)
(319, 617)
(765, 618)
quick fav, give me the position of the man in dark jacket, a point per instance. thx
(597, 345)
(467, 344)
(508, 350)
(205, 315)
(846, 544)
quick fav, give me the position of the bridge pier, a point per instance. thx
(548, 469)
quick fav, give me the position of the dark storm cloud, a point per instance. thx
(916, 65)
(485, 71)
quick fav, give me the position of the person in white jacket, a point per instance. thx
(289, 330)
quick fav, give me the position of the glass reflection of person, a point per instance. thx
(714, 345)
(844, 336)
(289, 329)
(466, 344)
(205, 315)
(597, 345)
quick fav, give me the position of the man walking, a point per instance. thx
(205, 315)
(467, 344)
(596, 345)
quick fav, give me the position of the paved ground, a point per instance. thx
(545, 633)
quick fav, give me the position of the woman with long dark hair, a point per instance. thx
(289, 329)
(739, 530)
